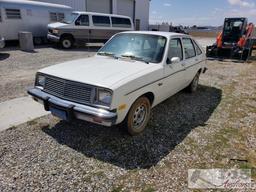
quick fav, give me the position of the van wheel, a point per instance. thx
(194, 84)
(67, 42)
(138, 116)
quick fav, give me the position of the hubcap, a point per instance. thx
(139, 116)
(66, 43)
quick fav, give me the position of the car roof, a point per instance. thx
(160, 33)
(103, 14)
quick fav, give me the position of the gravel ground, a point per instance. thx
(17, 68)
(213, 128)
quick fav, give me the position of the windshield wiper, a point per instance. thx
(107, 54)
(133, 57)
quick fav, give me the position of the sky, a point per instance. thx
(200, 12)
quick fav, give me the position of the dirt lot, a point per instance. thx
(213, 128)
(17, 68)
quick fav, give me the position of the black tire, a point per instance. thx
(67, 42)
(138, 116)
(194, 84)
(246, 54)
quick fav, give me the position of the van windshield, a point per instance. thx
(70, 18)
(143, 47)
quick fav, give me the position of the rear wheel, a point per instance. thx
(138, 116)
(67, 42)
(194, 84)
(246, 54)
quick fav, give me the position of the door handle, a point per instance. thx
(183, 64)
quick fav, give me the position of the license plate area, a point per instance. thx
(60, 113)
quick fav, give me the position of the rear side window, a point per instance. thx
(101, 21)
(175, 49)
(188, 48)
(13, 13)
(83, 20)
(0, 16)
(198, 50)
(121, 22)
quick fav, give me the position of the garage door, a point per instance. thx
(101, 6)
(125, 7)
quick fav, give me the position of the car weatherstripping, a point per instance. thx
(132, 73)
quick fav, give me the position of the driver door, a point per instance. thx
(174, 71)
(82, 28)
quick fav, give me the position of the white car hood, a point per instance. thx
(98, 70)
(56, 25)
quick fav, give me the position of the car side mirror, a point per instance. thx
(173, 60)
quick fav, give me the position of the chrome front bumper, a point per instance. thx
(53, 38)
(2, 43)
(74, 110)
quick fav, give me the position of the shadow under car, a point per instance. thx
(171, 122)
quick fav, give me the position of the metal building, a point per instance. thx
(138, 10)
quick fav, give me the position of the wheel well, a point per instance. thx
(150, 96)
(67, 35)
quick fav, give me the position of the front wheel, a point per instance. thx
(67, 42)
(138, 116)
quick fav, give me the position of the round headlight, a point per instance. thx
(104, 97)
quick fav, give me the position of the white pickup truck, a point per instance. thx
(132, 73)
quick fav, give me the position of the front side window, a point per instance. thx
(175, 49)
(83, 20)
(101, 21)
(121, 22)
(188, 48)
(13, 13)
(149, 48)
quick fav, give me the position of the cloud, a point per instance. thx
(167, 4)
(241, 3)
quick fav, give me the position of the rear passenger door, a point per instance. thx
(191, 59)
(174, 72)
(82, 27)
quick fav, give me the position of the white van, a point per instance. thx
(88, 27)
(31, 16)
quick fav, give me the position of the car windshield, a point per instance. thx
(142, 47)
(70, 18)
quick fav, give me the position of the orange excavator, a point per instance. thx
(236, 41)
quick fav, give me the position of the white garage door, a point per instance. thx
(101, 6)
(125, 7)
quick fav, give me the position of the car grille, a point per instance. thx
(69, 90)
